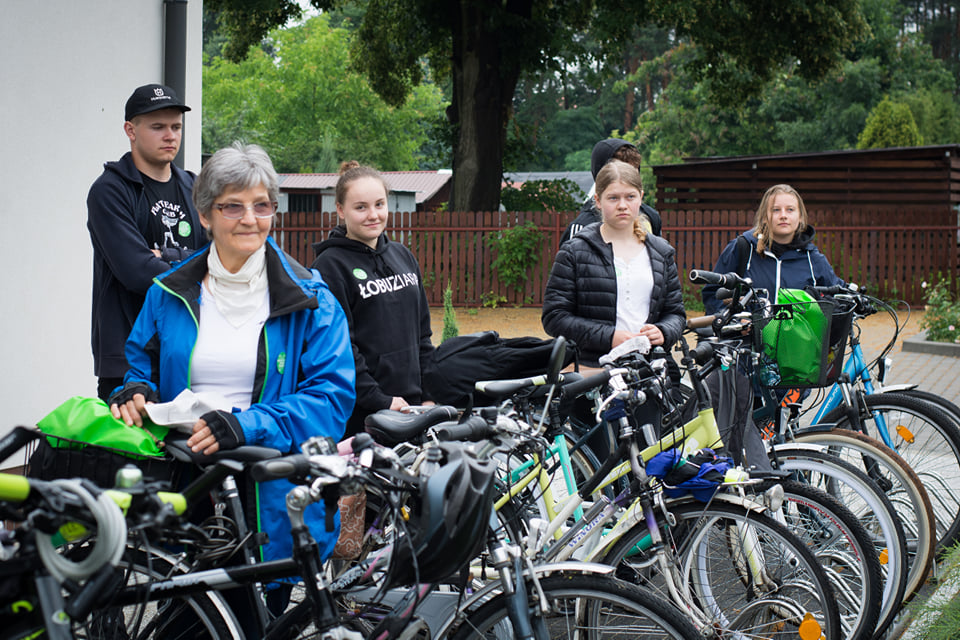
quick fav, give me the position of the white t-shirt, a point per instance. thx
(225, 357)
(634, 290)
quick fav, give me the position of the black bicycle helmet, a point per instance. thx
(450, 522)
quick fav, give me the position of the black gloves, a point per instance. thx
(225, 428)
(131, 389)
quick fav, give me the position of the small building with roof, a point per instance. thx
(910, 179)
(409, 190)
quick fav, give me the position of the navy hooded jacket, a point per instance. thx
(800, 264)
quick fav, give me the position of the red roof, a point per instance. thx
(422, 183)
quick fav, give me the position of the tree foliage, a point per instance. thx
(485, 48)
(299, 99)
(890, 124)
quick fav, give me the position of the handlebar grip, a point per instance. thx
(701, 322)
(703, 353)
(473, 430)
(277, 468)
(579, 387)
(211, 477)
(827, 291)
(14, 441)
(14, 488)
(728, 280)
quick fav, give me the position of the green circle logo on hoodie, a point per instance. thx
(359, 274)
(184, 229)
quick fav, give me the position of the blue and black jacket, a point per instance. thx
(304, 383)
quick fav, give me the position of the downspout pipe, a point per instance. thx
(175, 53)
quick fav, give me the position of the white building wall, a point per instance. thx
(67, 69)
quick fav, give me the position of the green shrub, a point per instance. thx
(543, 195)
(942, 317)
(890, 124)
(450, 327)
(517, 249)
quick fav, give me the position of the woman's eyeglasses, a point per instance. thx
(235, 210)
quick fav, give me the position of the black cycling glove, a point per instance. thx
(131, 389)
(225, 427)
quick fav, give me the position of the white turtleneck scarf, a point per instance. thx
(238, 295)
(233, 310)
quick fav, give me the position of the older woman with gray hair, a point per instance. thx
(243, 320)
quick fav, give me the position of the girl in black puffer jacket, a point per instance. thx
(614, 280)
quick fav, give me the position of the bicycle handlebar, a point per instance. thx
(727, 280)
(579, 387)
(474, 429)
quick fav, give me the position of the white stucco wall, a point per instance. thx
(66, 71)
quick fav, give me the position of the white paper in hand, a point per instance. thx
(182, 412)
(636, 344)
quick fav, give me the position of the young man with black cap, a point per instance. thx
(141, 220)
(603, 152)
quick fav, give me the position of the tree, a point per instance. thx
(486, 46)
(303, 104)
(890, 124)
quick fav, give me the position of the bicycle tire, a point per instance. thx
(869, 504)
(905, 491)
(720, 586)
(929, 441)
(603, 606)
(844, 548)
(204, 616)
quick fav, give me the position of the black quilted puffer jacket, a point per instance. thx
(580, 301)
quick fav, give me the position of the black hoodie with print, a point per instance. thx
(381, 291)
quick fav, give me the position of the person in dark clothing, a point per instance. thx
(781, 250)
(779, 254)
(603, 152)
(379, 285)
(615, 279)
(141, 220)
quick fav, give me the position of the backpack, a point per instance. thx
(462, 360)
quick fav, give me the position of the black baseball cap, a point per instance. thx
(152, 97)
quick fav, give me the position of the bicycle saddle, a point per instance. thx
(389, 428)
(176, 446)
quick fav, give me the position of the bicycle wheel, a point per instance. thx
(852, 487)
(844, 548)
(584, 606)
(901, 485)
(746, 573)
(929, 441)
(203, 616)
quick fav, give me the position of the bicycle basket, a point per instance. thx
(58, 457)
(801, 340)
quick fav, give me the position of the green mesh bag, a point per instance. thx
(801, 340)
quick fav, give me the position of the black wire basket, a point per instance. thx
(57, 457)
(802, 344)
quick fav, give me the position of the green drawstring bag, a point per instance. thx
(794, 340)
(88, 420)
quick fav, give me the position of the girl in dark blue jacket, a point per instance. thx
(782, 253)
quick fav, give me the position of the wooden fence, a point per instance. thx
(887, 252)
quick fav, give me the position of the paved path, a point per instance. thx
(937, 374)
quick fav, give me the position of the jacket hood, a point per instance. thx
(803, 240)
(338, 238)
(603, 151)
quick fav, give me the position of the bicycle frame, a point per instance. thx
(856, 369)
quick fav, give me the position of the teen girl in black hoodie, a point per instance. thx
(379, 286)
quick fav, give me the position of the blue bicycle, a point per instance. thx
(920, 426)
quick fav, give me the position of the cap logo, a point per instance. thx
(158, 91)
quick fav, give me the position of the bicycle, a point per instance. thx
(889, 470)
